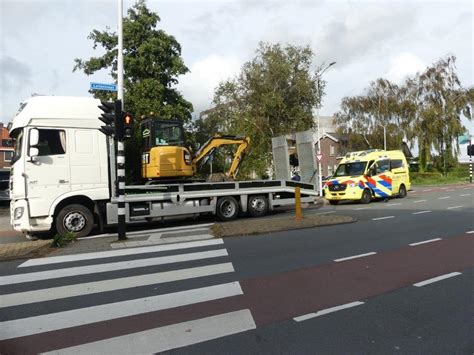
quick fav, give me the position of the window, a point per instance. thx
(7, 156)
(350, 169)
(169, 133)
(330, 170)
(332, 150)
(7, 142)
(383, 166)
(51, 142)
(18, 139)
(396, 164)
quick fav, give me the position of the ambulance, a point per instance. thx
(367, 175)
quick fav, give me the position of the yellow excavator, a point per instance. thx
(166, 156)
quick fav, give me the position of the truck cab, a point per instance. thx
(60, 160)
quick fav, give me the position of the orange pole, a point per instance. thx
(299, 212)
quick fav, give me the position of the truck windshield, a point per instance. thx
(350, 169)
(17, 136)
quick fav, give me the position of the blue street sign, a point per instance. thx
(101, 86)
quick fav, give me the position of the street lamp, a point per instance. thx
(320, 177)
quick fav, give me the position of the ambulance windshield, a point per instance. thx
(350, 169)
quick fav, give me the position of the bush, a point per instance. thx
(60, 240)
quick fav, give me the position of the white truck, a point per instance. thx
(63, 177)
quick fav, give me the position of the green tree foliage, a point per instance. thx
(152, 64)
(274, 94)
(426, 109)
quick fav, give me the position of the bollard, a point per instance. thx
(299, 213)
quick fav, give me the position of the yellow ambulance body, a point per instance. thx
(369, 174)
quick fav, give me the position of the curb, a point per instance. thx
(25, 250)
(230, 229)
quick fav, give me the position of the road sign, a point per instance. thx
(319, 156)
(105, 87)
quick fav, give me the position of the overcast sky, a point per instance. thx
(367, 39)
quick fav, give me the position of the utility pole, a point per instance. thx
(120, 53)
(320, 177)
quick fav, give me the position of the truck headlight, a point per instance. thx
(18, 212)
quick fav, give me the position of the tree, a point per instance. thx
(367, 115)
(274, 94)
(152, 64)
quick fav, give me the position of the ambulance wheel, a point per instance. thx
(366, 196)
(76, 219)
(333, 202)
(258, 206)
(402, 192)
(227, 208)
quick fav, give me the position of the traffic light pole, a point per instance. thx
(120, 171)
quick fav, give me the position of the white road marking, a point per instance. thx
(55, 293)
(421, 212)
(467, 188)
(424, 242)
(94, 269)
(327, 212)
(463, 195)
(454, 207)
(121, 252)
(436, 279)
(355, 256)
(147, 231)
(427, 190)
(380, 218)
(393, 204)
(326, 311)
(418, 201)
(361, 208)
(449, 190)
(470, 232)
(444, 198)
(170, 336)
(76, 317)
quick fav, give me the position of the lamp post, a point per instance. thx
(320, 177)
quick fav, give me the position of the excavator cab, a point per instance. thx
(166, 156)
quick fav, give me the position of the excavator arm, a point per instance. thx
(217, 141)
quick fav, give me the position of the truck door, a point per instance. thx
(48, 174)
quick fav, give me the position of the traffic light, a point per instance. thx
(108, 117)
(127, 125)
(470, 149)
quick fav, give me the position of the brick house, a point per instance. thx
(331, 151)
(6, 148)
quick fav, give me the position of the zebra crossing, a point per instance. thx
(139, 300)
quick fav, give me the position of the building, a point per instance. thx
(6, 148)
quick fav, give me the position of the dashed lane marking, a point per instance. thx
(436, 279)
(444, 198)
(470, 232)
(424, 242)
(393, 204)
(421, 212)
(327, 310)
(454, 207)
(355, 257)
(328, 212)
(418, 201)
(463, 195)
(361, 208)
(380, 218)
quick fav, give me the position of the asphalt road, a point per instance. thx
(262, 294)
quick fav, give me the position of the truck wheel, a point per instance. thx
(227, 208)
(77, 219)
(366, 196)
(402, 192)
(333, 202)
(258, 206)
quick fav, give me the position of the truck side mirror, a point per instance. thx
(34, 152)
(34, 138)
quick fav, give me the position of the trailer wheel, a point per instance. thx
(227, 208)
(76, 219)
(258, 206)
